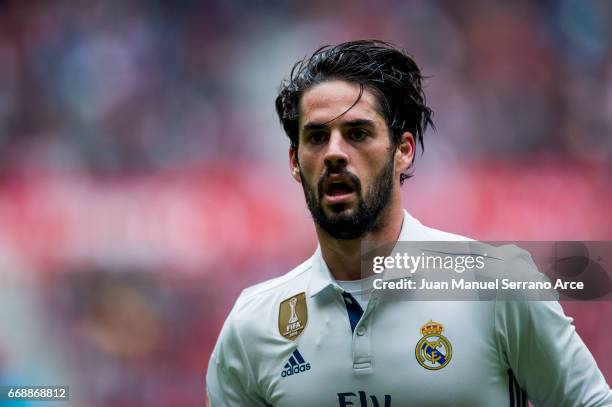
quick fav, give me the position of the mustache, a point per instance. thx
(342, 172)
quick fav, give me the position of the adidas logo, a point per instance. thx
(295, 365)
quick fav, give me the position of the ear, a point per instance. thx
(404, 155)
(293, 164)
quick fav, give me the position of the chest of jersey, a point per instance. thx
(397, 354)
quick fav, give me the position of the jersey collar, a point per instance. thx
(320, 276)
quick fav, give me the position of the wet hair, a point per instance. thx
(386, 71)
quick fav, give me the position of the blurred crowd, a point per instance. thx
(141, 164)
(153, 85)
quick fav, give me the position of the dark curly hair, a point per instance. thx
(388, 72)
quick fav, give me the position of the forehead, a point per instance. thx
(330, 100)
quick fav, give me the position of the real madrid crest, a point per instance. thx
(433, 351)
(293, 316)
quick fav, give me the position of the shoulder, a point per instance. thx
(414, 230)
(511, 256)
(296, 278)
(421, 232)
(260, 302)
(436, 234)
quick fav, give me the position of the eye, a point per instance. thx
(317, 137)
(357, 134)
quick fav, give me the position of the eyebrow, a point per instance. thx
(350, 123)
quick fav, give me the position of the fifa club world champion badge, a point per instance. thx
(293, 316)
(433, 351)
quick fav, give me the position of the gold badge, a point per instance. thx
(293, 316)
(433, 351)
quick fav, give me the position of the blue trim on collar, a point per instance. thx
(353, 309)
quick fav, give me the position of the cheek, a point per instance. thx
(370, 168)
(370, 171)
(307, 168)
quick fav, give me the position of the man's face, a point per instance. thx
(345, 160)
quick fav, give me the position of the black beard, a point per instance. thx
(365, 218)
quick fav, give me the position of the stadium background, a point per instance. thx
(144, 178)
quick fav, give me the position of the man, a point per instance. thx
(354, 114)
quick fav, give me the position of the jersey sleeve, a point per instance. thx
(229, 379)
(538, 342)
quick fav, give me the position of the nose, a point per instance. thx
(336, 155)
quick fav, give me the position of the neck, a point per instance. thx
(343, 257)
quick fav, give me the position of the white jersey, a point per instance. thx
(299, 340)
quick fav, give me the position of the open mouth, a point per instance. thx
(338, 189)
